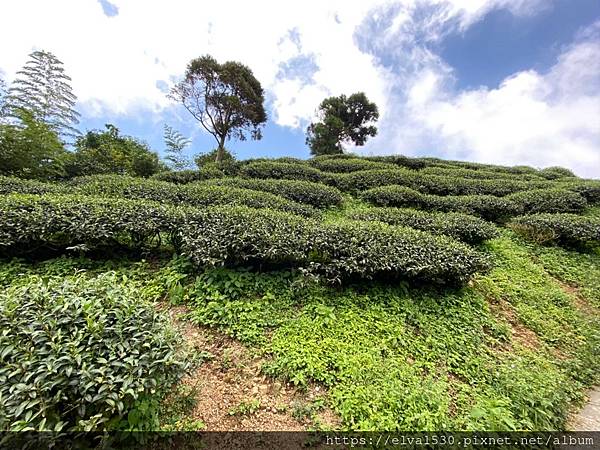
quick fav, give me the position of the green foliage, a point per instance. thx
(108, 152)
(457, 225)
(226, 162)
(245, 408)
(553, 173)
(567, 229)
(43, 90)
(488, 207)
(193, 194)
(549, 201)
(30, 148)
(82, 354)
(342, 120)
(480, 174)
(175, 144)
(315, 194)
(189, 176)
(225, 98)
(367, 179)
(399, 160)
(590, 189)
(286, 171)
(347, 165)
(70, 220)
(9, 185)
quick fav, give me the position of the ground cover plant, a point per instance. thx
(385, 292)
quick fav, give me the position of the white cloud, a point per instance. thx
(120, 65)
(540, 119)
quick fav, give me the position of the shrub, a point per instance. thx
(554, 173)
(232, 235)
(82, 354)
(347, 165)
(284, 171)
(486, 206)
(67, 220)
(365, 249)
(590, 189)
(315, 194)
(193, 194)
(360, 181)
(549, 201)
(479, 166)
(208, 195)
(479, 174)
(399, 160)
(189, 176)
(9, 185)
(464, 227)
(569, 229)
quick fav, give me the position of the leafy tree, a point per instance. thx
(175, 143)
(225, 98)
(43, 88)
(342, 120)
(3, 90)
(109, 152)
(226, 164)
(30, 148)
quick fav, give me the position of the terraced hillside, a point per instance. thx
(372, 293)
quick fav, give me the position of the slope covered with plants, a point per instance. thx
(415, 293)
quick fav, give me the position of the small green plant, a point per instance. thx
(245, 408)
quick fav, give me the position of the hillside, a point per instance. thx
(341, 292)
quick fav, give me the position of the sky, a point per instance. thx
(512, 82)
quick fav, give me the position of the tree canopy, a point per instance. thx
(110, 152)
(225, 98)
(42, 88)
(342, 120)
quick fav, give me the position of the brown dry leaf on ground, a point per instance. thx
(232, 394)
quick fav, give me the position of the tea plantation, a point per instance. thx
(385, 293)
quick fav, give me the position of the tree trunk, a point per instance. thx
(220, 150)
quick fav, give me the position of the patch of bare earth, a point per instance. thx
(232, 394)
(520, 333)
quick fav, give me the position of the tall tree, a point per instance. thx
(3, 92)
(342, 120)
(175, 143)
(225, 98)
(42, 88)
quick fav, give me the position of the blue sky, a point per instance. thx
(501, 81)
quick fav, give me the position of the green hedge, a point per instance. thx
(347, 165)
(193, 194)
(237, 234)
(189, 176)
(315, 194)
(549, 201)
(485, 206)
(68, 220)
(82, 354)
(399, 160)
(464, 227)
(554, 173)
(284, 171)
(480, 174)
(479, 166)
(590, 189)
(432, 184)
(353, 249)
(9, 185)
(569, 229)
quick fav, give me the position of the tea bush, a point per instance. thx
(590, 189)
(554, 173)
(367, 179)
(189, 176)
(353, 249)
(66, 220)
(82, 354)
(568, 229)
(193, 194)
(399, 160)
(285, 171)
(347, 165)
(464, 227)
(486, 206)
(315, 194)
(480, 174)
(549, 201)
(9, 185)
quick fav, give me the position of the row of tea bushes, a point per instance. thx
(481, 174)
(9, 185)
(348, 165)
(81, 353)
(235, 234)
(486, 206)
(307, 192)
(464, 227)
(433, 184)
(193, 194)
(566, 229)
